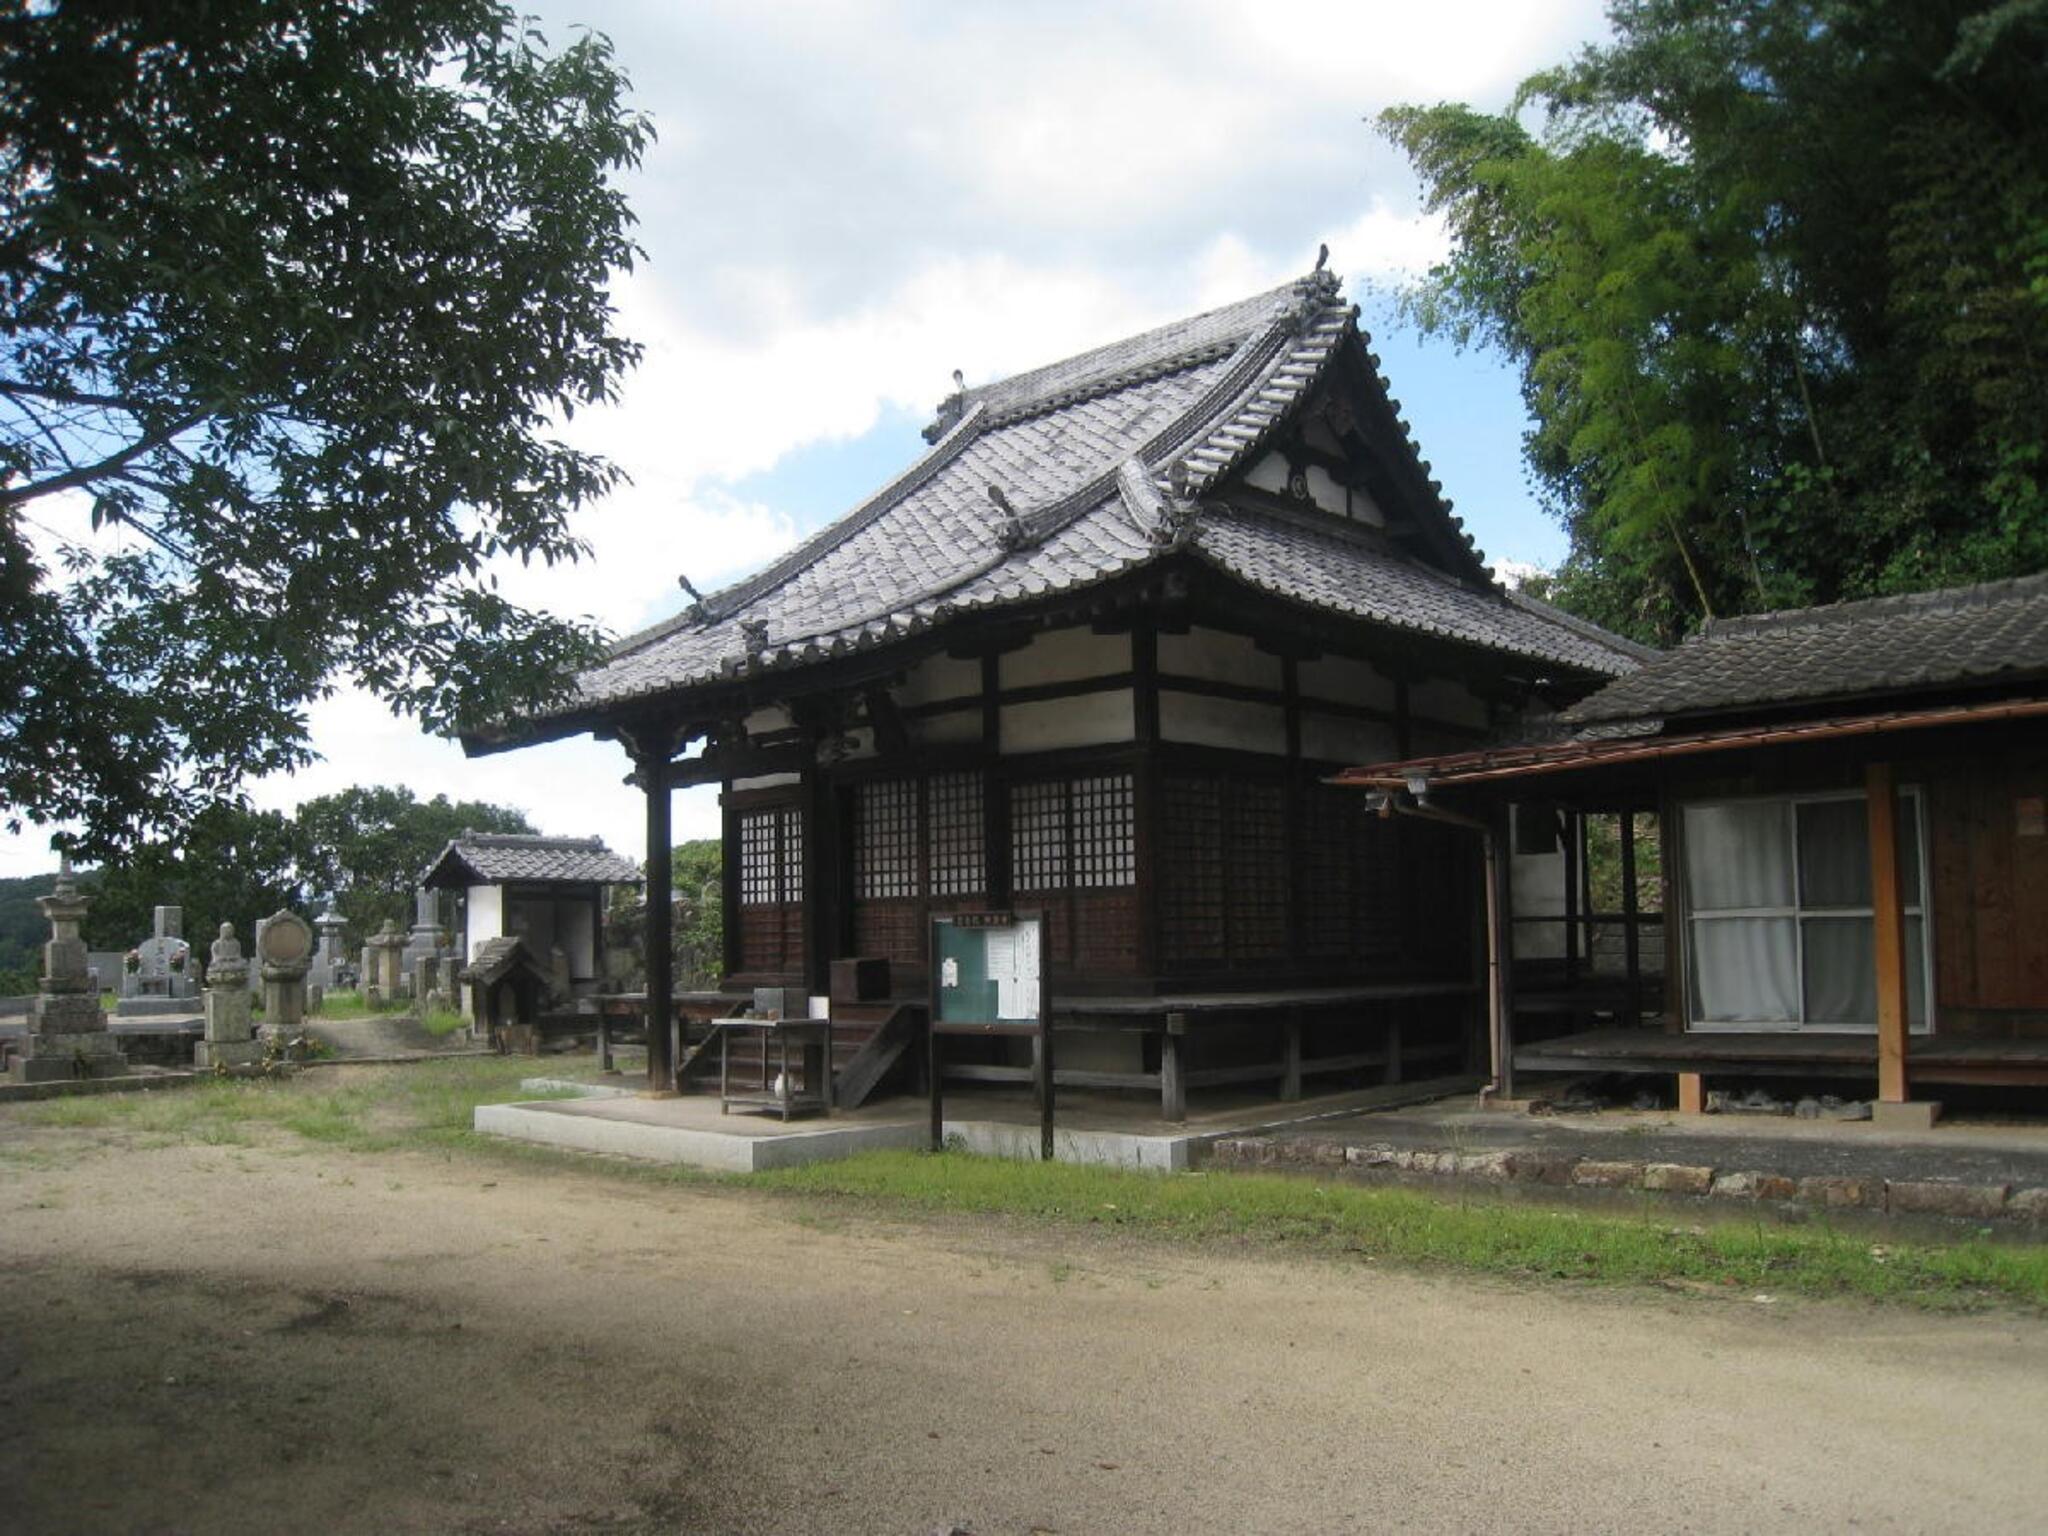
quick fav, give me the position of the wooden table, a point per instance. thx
(813, 1040)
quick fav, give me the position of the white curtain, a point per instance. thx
(1745, 971)
(1738, 855)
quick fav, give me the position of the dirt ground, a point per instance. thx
(284, 1338)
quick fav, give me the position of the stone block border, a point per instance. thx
(1916, 1197)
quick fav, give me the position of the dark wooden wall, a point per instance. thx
(1990, 892)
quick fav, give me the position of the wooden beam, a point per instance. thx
(1888, 920)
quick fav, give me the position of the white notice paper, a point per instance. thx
(1012, 955)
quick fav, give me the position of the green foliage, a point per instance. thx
(369, 845)
(698, 939)
(697, 871)
(295, 293)
(232, 865)
(1776, 276)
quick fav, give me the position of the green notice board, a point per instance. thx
(989, 978)
(987, 969)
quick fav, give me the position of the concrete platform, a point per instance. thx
(1098, 1129)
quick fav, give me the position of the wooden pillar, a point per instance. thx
(1631, 918)
(1173, 1081)
(1497, 965)
(1574, 844)
(821, 880)
(660, 953)
(1148, 789)
(1692, 1093)
(732, 957)
(1888, 921)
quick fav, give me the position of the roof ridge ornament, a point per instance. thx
(951, 409)
(696, 613)
(1009, 526)
(1312, 293)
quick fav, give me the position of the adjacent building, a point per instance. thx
(1851, 808)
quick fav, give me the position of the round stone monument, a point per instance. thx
(284, 948)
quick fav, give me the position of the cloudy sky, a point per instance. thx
(850, 200)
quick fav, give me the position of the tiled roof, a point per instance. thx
(492, 858)
(1917, 643)
(1071, 475)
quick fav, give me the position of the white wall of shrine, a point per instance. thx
(1082, 720)
(1239, 724)
(1270, 474)
(1218, 657)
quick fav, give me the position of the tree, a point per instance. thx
(367, 846)
(232, 864)
(697, 933)
(294, 293)
(1775, 273)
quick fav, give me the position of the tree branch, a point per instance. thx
(149, 442)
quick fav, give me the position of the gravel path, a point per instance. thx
(281, 1338)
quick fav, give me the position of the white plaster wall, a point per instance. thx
(1345, 680)
(1439, 698)
(1202, 721)
(1065, 656)
(940, 677)
(772, 718)
(1536, 889)
(1339, 740)
(955, 727)
(1219, 657)
(483, 918)
(768, 781)
(1085, 720)
(1269, 474)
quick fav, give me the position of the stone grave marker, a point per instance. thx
(230, 1035)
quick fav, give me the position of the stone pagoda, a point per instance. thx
(67, 1029)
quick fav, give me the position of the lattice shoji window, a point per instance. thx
(1038, 836)
(1191, 884)
(885, 840)
(793, 854)
(959, 855)
(1257, 861)
(771, 857)
(1105, 839)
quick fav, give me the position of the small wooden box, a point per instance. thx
(781, 1003)
(860, 981)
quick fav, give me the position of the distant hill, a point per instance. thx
(22, 931)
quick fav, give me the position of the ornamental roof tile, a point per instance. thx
(1072, 474)
(494, 858)
(1916, 643)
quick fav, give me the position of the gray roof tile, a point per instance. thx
(1206, 392)
(492, 858)
(1921, 642)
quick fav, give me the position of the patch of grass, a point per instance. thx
(442, 1021)
(1404, 1226)
(360, 1109)
(348, 1004)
